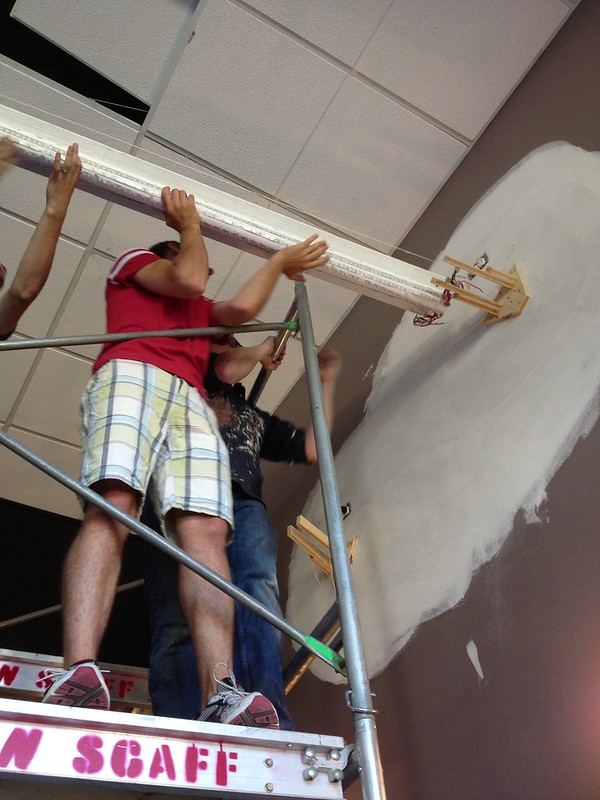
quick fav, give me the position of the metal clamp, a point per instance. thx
(358, 709)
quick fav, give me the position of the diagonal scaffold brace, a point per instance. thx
(318, 648)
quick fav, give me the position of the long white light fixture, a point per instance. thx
(133, 182)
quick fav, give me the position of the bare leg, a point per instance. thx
(91, 572)
(208, 610)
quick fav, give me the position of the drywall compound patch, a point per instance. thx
(473, 654)
(466, 423)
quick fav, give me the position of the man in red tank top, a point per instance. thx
(146, 426)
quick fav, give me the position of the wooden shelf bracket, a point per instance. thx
(511, 299)
(316, 544)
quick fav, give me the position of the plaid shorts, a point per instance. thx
(142, 424)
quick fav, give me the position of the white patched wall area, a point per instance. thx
(467, 423)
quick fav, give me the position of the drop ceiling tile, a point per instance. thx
(24, 483)
(247, 109)
(370, 167)
(341, 29)
(23, 193)
(329, 304)
(50, 406)
(15, 236)
(85, 311)
(164, 156)
(26, 91)
(130, 44)
(125, 228)
(459, 61)
(14, 366)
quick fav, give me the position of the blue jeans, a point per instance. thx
(173, 678)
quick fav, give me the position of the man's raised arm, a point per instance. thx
(35, 265)
(184, 275)
(330, 365)
(291, 261)
(234, 362)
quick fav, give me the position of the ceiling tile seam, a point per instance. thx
(64, 237)
(66, 351)
(230, 179)
(30, 432)
(431, 258)
(356, 74)
(24, 337)
(474, 141)
(185, 36)
(390, 247)
(273, 23)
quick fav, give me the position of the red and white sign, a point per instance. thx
(72, 744)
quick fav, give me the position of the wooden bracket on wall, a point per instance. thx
(511, 299)
(316, 544)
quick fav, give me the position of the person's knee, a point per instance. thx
(118, 493)
(215, 528)
(97, 521)
(198, 530)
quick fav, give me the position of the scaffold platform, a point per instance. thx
(158, 755)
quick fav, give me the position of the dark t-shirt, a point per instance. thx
(251, 434)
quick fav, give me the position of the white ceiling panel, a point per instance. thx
(169, 158)
(244, 96)
(371, 166)
(24, 483)
(23, 193)
(341, 29)
(128, 42)
(458, 61)
(15, 236)
(85, 312)
(32, 94)
(125, 228)
(50, 405)
(14, 366)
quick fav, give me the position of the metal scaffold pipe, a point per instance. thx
(181, 333)
(359, 693)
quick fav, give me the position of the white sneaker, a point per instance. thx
(232, 706)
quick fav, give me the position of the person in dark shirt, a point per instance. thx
(249, 434)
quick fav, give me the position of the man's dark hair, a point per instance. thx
(161, 249)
